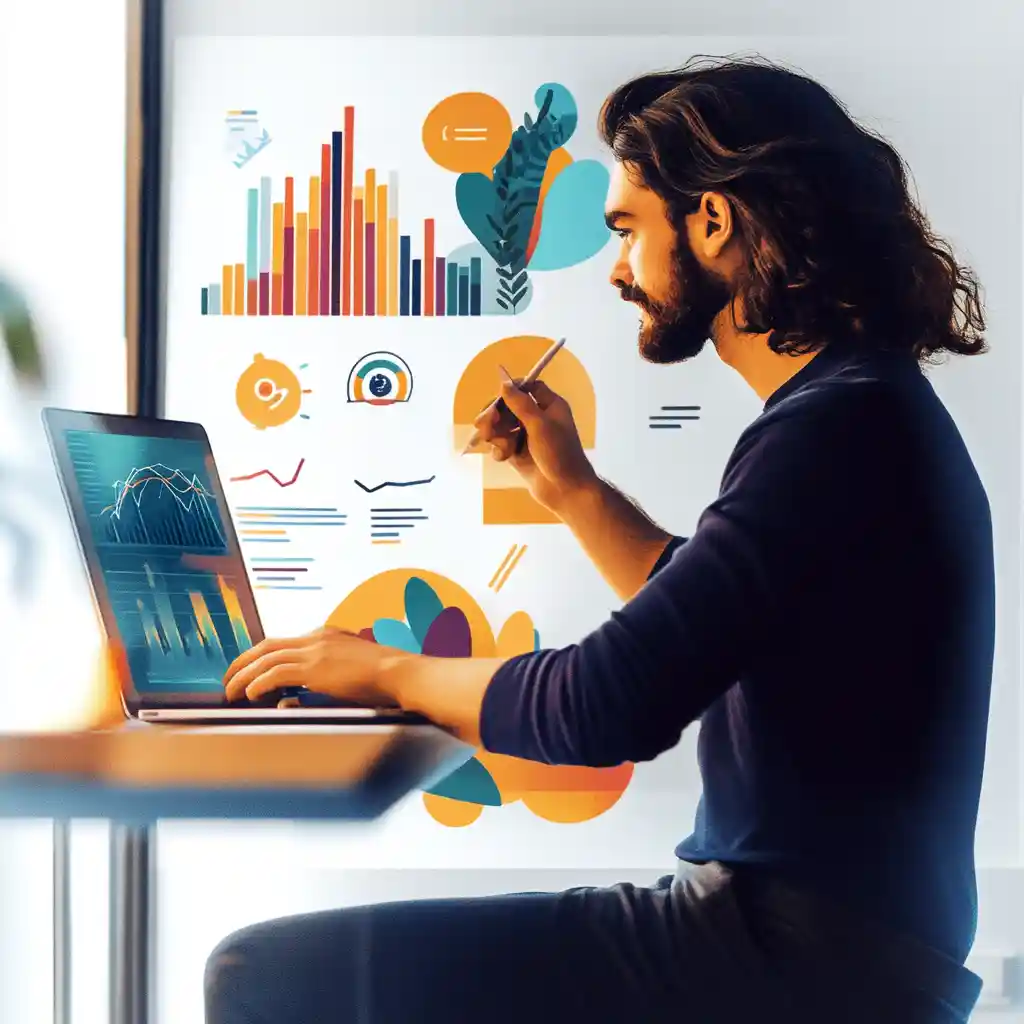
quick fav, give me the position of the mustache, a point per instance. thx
(630, 293)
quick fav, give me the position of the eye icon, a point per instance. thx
(380, 378)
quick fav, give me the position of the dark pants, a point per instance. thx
(700, 947)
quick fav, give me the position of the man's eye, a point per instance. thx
(622, 232)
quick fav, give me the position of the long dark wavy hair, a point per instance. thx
(837, 250)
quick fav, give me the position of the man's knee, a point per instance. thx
(231, 971)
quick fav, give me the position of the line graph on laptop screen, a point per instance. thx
(159, 531)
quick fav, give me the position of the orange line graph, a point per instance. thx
(195, 487)
(276, 479)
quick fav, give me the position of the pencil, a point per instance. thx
(529, 379)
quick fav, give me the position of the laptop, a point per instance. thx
(167, 572)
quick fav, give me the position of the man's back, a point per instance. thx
(849, 757)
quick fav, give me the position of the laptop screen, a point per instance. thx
(161, 551)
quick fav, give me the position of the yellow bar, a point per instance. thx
(278, 251)
(370, 191)
(301, 263)
(393, 269)
(382, 251)
(314, 203)
(226, 277)
(239, 289)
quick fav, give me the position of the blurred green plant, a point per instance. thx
(20, 336)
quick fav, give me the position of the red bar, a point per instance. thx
(357, 263)
(276, 293)
(288, 307)
(264, 293)
(325, 229)
(370, 269)
(428, 267)
(251, 298)
(346, 227)
(313, 277)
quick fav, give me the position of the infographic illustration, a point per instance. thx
(505, 498)
(269, 394)
(527, 203)
(425, 613)
(245, 138)
(380, 378)
(672, 417)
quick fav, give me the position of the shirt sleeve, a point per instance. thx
(666, 556)
(799, 492)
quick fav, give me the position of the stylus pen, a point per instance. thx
(528, 380)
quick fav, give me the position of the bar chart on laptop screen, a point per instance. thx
(158, 528)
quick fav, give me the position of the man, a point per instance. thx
(830, 622)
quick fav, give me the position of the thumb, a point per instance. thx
(521, 404)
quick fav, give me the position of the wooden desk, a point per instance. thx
(136, 774)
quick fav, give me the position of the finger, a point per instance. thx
(258, 650)
(521, 404)
(503, 448)
(487, 418)
(275, 678)
(235, 688)
(543, 395)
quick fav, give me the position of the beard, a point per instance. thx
(677, 328)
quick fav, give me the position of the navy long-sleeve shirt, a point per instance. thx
(831, 623)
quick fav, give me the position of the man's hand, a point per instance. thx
(550, 458)
(328, 661)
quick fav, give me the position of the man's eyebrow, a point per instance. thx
(612, 218)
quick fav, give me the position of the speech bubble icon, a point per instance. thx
(468, 131)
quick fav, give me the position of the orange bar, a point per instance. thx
(239, 295)
(393, 266)
(260, 533)
(369, 214)
(301, 263)
(289, 202)
(251, 298)
(277, 261)
(428, 267)
(314, 272)
(357, 251)
(226, 277)
(382, 251)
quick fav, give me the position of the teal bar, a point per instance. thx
(452, 300)
(266, 213)
(252, 269)
(206, 302)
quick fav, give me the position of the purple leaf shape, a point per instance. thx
(449, 635)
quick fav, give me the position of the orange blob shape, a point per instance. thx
(469, 131)
(268, 393)
(568, 794)
(453, 813)
(516, 636)
(383, 597)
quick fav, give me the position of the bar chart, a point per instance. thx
(344, 255)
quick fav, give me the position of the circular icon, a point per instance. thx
(469, 131)
(268, 393)
(380, 378)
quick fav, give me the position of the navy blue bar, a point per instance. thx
(463, 291)
(405, 250)
(417, 286)
(336, 143)
(206, 301)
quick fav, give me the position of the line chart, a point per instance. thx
(266, 472)
(393, 483)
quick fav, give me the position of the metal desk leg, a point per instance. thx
(132, 849)
(61, 922)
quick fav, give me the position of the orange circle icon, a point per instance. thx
(268, 393)
(469, 131)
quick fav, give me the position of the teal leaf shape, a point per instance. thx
(422, 606)
(470, 783)
(573, 227)
(393, 633)
(561, 108)
(477, 199)
(536, 640)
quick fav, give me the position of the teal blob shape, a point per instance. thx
(572, 226)
(489, 280)
(536, 640)
(392, 633)
(477, 202)
(471, 783)
(422, 606)
(562, 108)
